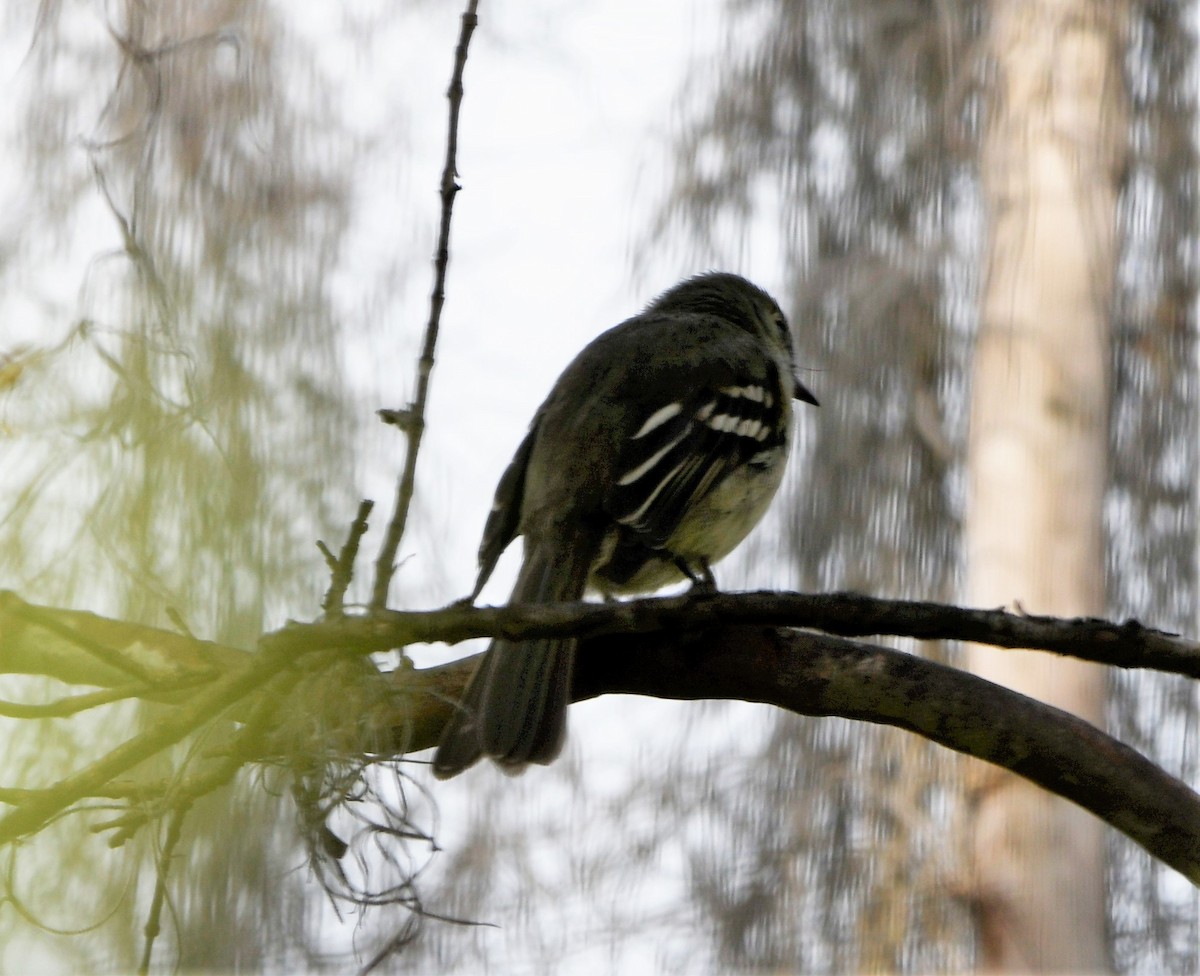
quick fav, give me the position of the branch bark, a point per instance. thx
(692, 647)
(1124, 645)
(818, 675)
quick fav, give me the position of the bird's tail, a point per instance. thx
(514, 708)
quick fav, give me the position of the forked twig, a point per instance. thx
(412, 418)
(341, 566)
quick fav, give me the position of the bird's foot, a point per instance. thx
(702, 578)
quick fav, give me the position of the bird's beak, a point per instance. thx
(802, 392)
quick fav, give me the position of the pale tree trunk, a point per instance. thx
(1051, 166)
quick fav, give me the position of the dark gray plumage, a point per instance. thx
(657, 451)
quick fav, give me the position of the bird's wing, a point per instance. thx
(679, 449)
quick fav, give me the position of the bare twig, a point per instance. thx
(181, 792)
(163, 868)
(414, 415)
(73, 704)
(42, 806)
(1123, 645)
(695, 646)
(177, 621)
(341, 567)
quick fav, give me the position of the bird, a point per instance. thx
(656, 452)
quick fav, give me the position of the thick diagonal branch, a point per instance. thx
(813, 674)
(686, 647)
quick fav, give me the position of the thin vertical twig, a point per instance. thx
(412, 419)
(154, 922)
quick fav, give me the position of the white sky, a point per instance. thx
(564, 147)
(565, 127)
(564, 154)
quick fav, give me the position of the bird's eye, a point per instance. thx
(779, 320)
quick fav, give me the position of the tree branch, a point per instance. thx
(694, 646)
(1124, 645)
(341, 566)
(812, 674)
(412, 419)
(201, 708)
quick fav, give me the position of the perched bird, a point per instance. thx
(657, 451)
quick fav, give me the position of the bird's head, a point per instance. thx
(742, 303)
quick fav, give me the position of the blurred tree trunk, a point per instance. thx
(1051, 168)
